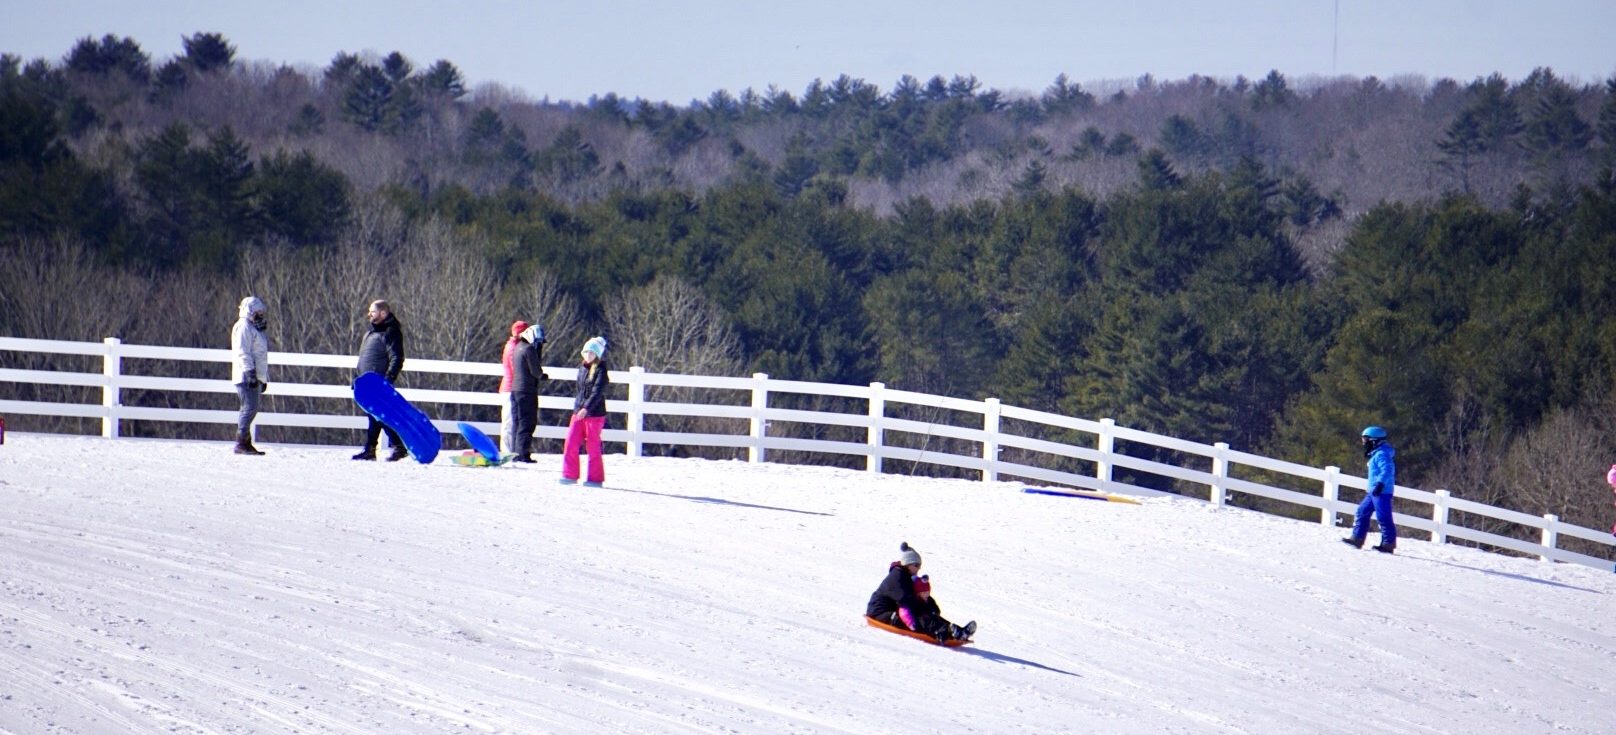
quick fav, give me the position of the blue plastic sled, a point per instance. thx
(1086, 494)
(379, 399)
(479, 441)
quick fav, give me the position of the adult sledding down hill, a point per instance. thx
(897, 603)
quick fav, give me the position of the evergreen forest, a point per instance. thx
(1272, 263)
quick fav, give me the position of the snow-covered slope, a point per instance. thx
(150, 586)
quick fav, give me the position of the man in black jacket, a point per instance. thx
(382, 351)
(527, 374)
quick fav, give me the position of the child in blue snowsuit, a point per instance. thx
(1381, 479)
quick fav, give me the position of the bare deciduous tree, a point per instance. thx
(669, 326)
(1559, 467)
(450, 287)
(53, 289)
(316, 297)
(538, 298)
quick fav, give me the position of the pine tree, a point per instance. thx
(225, 177)
(206, 52)
(301, 199)
(798, 168)
(1182, 138)
(397, 68)
(1272, 93)
(342, 71)
(1031, 181)
(1065, 97)
(368, 99)
(442, 80)
(1554, 126)
(110, 54)
(1496, 116)
(1156, 172)
(1460, 144)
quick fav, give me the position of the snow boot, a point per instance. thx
(1356, 543)
(592, 483)
(398, 454)
(966, 632)
(567, 481)
(244, 444)
(1386, 548)
(367, 454)
(523, 458)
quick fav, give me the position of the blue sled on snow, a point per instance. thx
(479, 441)
(381, 400)
(484, 452)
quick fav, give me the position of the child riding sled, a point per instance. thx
(904, 600)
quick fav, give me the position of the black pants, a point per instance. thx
(524, 419)
(373, 434)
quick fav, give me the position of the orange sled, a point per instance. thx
(912, 634)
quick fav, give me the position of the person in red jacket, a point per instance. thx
(507, 424)
(527, 374)
(899, 601)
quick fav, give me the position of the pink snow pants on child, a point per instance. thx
(586, 431)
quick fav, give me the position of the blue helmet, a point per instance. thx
(1374, 432)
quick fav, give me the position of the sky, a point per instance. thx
(679, 51)
(192, 590)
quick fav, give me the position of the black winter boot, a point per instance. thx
(1354, 542)
(244, 444)
(1386, 548)
(398, 454)
(367, 454)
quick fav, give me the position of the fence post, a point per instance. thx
(1439, 517)
(760, 401)
(1220, 472)
(1332, 493)
(111, 367)
(878, 411)
(1106, 443)
(636, 411)
(1551, 534)
(990, 445)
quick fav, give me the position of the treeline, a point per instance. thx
(1243, 262)
(1343, 145)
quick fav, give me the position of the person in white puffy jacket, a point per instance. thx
(249, 367)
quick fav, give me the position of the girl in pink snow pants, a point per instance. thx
(588, 415)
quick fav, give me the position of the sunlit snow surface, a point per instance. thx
(173, 587)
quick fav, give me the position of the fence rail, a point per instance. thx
(1039, 459)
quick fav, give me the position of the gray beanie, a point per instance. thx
(909, 556)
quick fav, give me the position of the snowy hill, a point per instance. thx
(151, 586)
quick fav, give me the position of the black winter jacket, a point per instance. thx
(897, 590)
(382, 349)
(527, 368)
(592, 385)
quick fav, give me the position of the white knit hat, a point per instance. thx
(909, 556)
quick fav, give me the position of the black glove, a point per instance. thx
(263, 386)
(1379, 488)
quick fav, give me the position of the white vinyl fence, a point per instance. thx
(985, 433)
